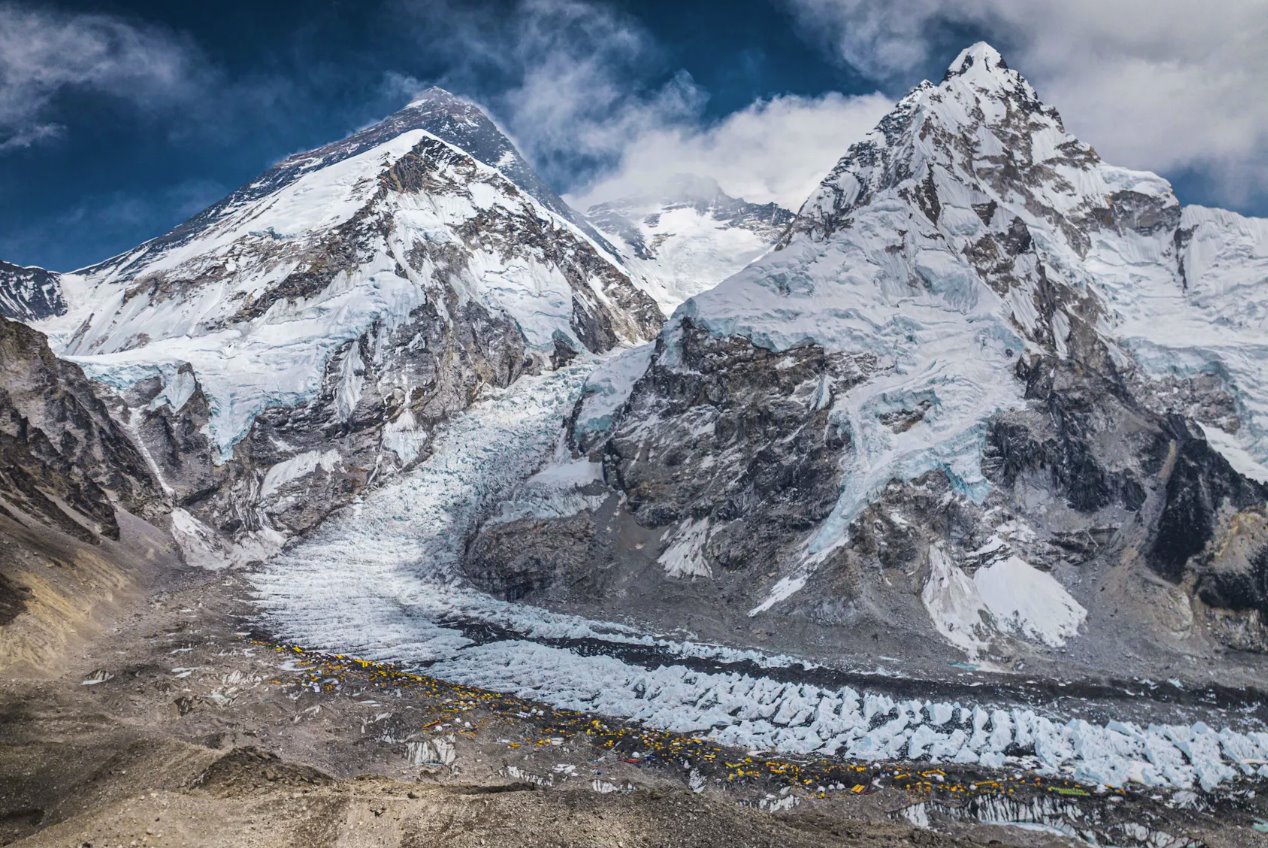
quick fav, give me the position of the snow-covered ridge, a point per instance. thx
(29, 293)
(1194, 300)
(183, 299)
(463, 124)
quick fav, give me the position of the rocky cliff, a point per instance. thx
(80, 512)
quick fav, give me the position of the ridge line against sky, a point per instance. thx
(120, 119)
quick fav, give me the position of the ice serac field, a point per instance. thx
(380, 580)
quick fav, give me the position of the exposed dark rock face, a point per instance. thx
(561, 555)
(29, 293)
(1201, 492)
(177, 439)
(762, 418)
(1150, 475)
(1240, 591)
(1076, 408)
(743, 453)
(64, 462)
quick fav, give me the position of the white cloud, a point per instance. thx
(45, 52)
(886, 39)
(21, 136)
(773, 150)
(1168, 85)
(589, 97)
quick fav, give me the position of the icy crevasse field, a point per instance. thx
(380, 579)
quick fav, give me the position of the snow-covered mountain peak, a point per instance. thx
(971, 307)
(981, 69)
(436, 96)
(461, 122)
(445, 114)
(437, 112)
(318, 322)
(980, 59)
(686, 234)
(980, 74)
(982, 129)
(307, 198)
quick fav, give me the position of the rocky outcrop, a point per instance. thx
(64, 462)
(29, 293)
(80, 512)
(761, 416)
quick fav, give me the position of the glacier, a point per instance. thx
(380, 580)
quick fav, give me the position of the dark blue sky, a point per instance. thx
(256, 81)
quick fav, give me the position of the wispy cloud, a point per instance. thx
(20, 136)
(773, 150)
(570, 80)
(592, 100)
(46, 52)
(1168, 85)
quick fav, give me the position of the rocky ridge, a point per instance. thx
(81, 516)
(28, 293)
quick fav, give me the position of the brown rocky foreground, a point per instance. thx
(177, 726)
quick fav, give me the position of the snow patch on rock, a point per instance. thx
(296, 468)
(1007, 596)
(684, 556)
